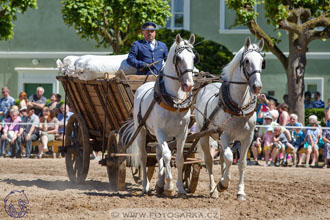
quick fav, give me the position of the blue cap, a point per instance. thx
(149, 26)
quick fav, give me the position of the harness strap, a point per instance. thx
(141, 124)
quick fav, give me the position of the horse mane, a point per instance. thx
(228, 70)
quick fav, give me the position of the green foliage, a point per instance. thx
(8, 14)
(319, 112)
(213, 56)
(113, 22)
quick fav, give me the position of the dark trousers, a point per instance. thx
(28, 144)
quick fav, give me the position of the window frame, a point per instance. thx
(222, 20)
(186, 16)
(319, 81)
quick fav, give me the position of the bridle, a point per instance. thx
(178, 71)
(246, 73)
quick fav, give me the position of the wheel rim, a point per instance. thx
(77, 157)
(116, 173)
(190, 176)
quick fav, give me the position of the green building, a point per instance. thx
(41, 37)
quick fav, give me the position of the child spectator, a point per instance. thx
(281, 142)
(326, 148)
(268, 141)
(313, 136)
(298, 140)
(10, 133)
(49, 128)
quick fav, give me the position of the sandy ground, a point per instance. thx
(272, 193)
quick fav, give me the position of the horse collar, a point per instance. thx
(229, 105)
(167, 101)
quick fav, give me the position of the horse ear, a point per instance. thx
(247, 43)
(192, 39)
(178, 39)
(261, 44)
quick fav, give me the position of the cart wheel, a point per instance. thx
(77, 157)
(190, 175)
(117, 172)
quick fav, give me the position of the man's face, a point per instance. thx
(5, 93)
(268, 121)
(30, 112)
(39, 93)
(149, 35)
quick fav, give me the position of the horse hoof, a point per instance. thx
(159, 189)
(221, 188)
(182, 195)
(169, 193)
(214, 194)
(241, 197)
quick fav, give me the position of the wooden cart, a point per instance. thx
(101, 107)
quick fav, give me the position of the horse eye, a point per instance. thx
(247, 61)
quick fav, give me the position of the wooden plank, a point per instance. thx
(79, 101)
(91, 106)
(119, 96)
(112, 106)
(111, 117)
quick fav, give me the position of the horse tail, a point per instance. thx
(126, 132)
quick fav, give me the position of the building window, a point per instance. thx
(314, 84)
(180, 19)
(227, 19)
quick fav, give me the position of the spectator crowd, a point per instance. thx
(282, 140)
(28, 120)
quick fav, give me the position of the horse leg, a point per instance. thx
(180, 141)
(167, 155)
(245, 144)
(228, 160)
(161, 171)
(141, 141)
(204, 141)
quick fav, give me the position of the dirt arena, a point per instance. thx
(272, 193)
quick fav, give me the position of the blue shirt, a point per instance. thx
(6, 103)
(61, 119)
(313, 133)
(318, 104)
(298, 137)
(309, 105)
(142, 53)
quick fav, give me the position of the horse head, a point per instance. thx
(252, 63)
(184, 59)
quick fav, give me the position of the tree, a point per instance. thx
(113, 22)
(304, 20)
(213, 64)
(8, 14)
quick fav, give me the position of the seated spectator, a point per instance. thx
(60, 118)
(281, 143)
(293, 121)
(326, 148)
(49, 128)
(23, 112)
(29, 131)
(308, 100)
(313, 137)
(6, 102)
(10, 132)
(22, 100)
(298, 141)
(318, 103)
(268, 141)
(272, 109)
(53, 102)
(37, 101)
(327, 114)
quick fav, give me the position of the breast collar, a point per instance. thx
(167, 101)
(231, 107)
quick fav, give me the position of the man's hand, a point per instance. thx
(145, 68)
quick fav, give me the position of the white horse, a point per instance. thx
(232, 104)
(166, 121)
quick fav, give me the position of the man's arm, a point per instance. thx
(132, 57)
